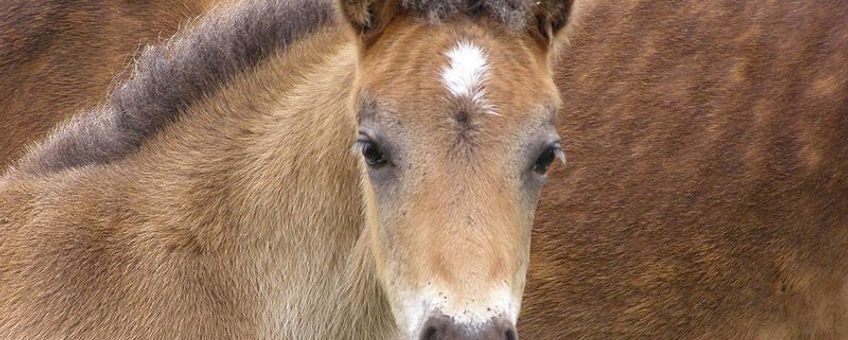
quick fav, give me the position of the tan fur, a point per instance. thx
(156, 256)
(244, 217)
(59, 57)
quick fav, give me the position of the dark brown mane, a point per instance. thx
(169, 78)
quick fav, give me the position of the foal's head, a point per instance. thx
(455, 104)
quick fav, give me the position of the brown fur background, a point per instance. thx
(704, 195)
(59, 57)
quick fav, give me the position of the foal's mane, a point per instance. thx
(512, 13)
(168, 78)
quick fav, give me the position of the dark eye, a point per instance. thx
(543, 163)
(372, 154)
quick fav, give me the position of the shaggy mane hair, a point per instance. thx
(513, 13)
(170, 77)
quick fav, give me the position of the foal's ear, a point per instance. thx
(548, 19)
(368, 18)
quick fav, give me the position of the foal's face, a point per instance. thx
(456, 134)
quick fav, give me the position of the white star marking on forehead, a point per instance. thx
(465, 74)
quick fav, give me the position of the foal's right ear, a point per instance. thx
(368, 18)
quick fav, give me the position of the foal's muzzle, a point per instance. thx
(441, 327)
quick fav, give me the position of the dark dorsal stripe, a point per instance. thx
(170, 77)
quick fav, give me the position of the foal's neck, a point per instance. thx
(261, 176)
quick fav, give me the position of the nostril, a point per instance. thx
(429, 333)
(442, 327)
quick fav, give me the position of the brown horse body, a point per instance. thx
(59, 57)
(708, 163)
(707, 145)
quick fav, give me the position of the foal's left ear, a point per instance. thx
(548, 19)
(368, 18)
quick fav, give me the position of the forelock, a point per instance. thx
(513, 13)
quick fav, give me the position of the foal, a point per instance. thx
(216, 194)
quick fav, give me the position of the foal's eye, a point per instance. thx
(543, 163)
(372, 154)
